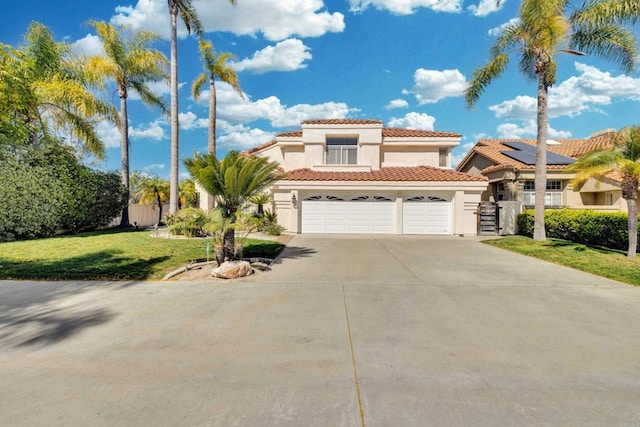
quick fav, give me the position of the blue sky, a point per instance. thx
(405, 62)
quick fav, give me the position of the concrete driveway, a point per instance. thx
(345, 331)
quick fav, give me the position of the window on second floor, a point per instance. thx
(342, 151)
(443, 154)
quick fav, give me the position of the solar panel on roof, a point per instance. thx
(526, 153)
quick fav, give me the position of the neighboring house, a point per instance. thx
(356, 176)
(509, 164)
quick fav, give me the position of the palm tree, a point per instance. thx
(622, 159)
(543, 31)
(232, 182)
(131, 64)
(216, 66)
(154, 190)
(189, 16)
(44, 89)
(188, 194)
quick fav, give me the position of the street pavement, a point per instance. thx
(344, 331)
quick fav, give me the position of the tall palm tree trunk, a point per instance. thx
(630, 194)
(124, 156)
(173, 182)
(212, 116)
(541, 158)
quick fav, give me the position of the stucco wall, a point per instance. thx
(410, 156)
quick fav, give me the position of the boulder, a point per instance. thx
(232, 270)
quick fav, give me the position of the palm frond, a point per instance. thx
(483, 76)
(609, 41)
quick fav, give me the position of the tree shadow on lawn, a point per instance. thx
(102, 265)
(580, 247)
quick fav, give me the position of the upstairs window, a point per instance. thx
(443, 154)
(342, 151)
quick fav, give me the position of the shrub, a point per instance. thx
(274, 229)
(45, 190)
(607, 229)
(189, 222)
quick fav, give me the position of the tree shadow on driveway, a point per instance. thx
(44, 325)
(294, 252)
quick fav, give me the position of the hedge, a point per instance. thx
(608, 229)
(45, 190)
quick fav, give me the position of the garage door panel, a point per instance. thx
(427, 217)
(363, 217)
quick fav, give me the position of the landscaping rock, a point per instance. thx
(232, 270)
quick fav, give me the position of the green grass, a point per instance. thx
(109, 255)
(609, 263)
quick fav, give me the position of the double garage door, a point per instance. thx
(375, 214)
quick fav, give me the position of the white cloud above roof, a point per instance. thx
(527, 130)
(396, 103)
(431, 86)
(287, 55)
(406, 7)
(588, 91)
(234, 109)
(420, 121)
(275, 19)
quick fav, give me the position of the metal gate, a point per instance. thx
(488, 218)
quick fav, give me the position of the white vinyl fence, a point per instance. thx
(143, 215)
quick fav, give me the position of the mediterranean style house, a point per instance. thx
(509, 166)
(357, 176)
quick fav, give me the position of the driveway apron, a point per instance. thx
(344, 331)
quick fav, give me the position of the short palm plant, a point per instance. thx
(232, 181)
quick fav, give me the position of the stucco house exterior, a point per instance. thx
(357, 176)
(509, 165)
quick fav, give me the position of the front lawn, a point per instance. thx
(604, 262)
(109, 255)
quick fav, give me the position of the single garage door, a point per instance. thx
(426, 215)
(340, 214)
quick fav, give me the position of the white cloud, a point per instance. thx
(240, 137)
(276, 19)
(89, 45)
(189, 121)
(527, 130)
(486, 7)
(407, 7)
(497, 30)
(578, 94)
(109, 134)
(432, 86)
(396, 103)
(287, 55)
(234, 109)
(159, 166)
(151, 131)
(413, 120)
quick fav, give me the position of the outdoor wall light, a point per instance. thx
(294, 201)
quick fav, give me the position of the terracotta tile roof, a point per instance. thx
(416, 173)
(295, 133)
(262, 147)
(342, 122)
(492, 148)
(413, 133)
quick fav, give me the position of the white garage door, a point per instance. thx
(340, 214)
(426, 215)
